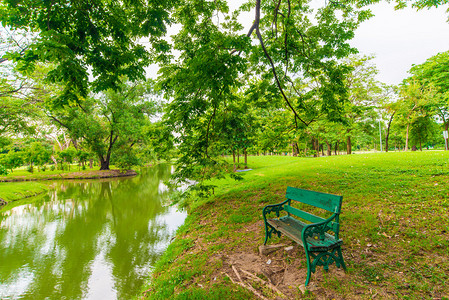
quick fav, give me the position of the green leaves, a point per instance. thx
(89, 36)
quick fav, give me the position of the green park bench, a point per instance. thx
(312, 232)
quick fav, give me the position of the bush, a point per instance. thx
(3, 170)
(52, 168)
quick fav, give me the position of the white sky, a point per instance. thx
(401, 38)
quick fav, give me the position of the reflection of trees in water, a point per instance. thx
(61, 239)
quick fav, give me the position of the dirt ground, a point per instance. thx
(280, 274)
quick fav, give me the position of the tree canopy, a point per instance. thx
(286, 78)
(94, 44)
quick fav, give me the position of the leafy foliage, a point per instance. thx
(288, 60)
(111, 120)
(78, 36)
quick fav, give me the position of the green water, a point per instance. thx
(87, 239)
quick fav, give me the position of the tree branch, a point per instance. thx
(208, 127)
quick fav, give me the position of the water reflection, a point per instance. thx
(87, 239)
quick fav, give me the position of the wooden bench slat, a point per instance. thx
(293, 228)
(325, 201)
(285, 228)
(302, 214)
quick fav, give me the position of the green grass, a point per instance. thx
(13, 191)
(394, 226)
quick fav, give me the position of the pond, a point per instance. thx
(91, 239)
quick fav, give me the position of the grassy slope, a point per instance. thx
(19, 190)
(394, 226)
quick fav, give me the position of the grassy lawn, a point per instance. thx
(395, 228)
(13, 191)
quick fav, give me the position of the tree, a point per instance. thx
(107, 122)
(413, 104)
(38, 153)
(13, 159)
(365, 94)
(388, 109)
(419, 4)
(296, 59)
(433, 75)
(83, 37)
(16, 108)
(423, 130)
(158, 142)
(66, 156)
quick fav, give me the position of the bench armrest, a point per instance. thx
(277, 208)
(320, 229)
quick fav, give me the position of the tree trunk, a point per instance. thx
(246, 158)
(55, 161)
(348, 145)
(75, 144)
(316, 147)
(104, 163)
(305, 150)
(336, 148)
(233, 158)
(406, 137)
(386, 139)
(387, 135)
(238, 158)
(446, 126)
(329, 148)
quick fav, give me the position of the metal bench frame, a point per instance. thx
(318, 236)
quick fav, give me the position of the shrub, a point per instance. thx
(3, 170)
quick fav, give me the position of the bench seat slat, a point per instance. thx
(292, 228)
(302, 214)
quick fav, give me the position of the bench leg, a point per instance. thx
(309, 268)
(324, 259)
(266, 234)
(269, 230)
(340, 258)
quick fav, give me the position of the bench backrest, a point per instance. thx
(324, 201)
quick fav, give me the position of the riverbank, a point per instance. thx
(53, 175)
(24, 185)
(395, 238)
